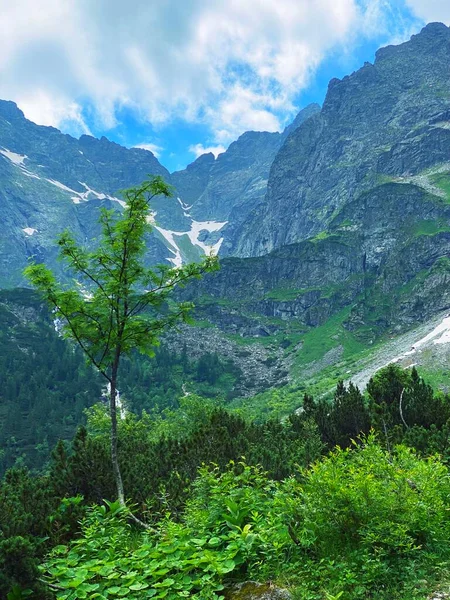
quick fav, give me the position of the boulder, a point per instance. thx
(251, 590)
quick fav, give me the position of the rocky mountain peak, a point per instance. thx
(430, 40)
(204, 159)
(388, 118)
(9, 110)
(303, 115)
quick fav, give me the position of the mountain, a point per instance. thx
(388, 122)
(234, 186)
(50, 181)
(334, 234)
(351, 245)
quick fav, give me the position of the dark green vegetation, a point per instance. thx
(371, 519)
(45, 383)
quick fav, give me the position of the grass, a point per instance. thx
(323, 235)
(429, 227)
(438, 378)
(319, 340)
(189, 252)
(288, 294)
(442, 180)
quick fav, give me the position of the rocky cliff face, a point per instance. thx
(50, 181)
(355, 225)
(234, 186)
(389, 119)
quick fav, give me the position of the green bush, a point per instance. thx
(229, 530)
(365, 516)
(362, 521)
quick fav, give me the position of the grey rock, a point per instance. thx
(252, 590)
(386, 119)
(233, 186)
(50, 182)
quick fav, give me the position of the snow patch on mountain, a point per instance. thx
(61, 186)
(193, 234)
(15, 158)
(185, 207)
(98, 195)
(439, 335)
(210, 226)
(29, 173)
(423, 346)
(18, 161)
(151, 218)
(79, 197)
(29, 231)
(168, 235)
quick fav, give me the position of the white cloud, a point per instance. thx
(46, 109)
(229, 64)
(431, 10)
(154, 148)
(199, 149)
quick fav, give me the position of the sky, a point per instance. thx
(184, 77)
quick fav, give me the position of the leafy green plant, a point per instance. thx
(370, 514)
(109, 562)
(18, 593)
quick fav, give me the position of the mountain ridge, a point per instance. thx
(50, 181)
(367, 121)
(344, 216)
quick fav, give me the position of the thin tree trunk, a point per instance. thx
(388, 446)
(114, 458)
(400, 407)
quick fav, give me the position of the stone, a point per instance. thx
(252, 590)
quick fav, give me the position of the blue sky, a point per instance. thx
(184, 76)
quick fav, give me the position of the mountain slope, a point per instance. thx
(50, 181)
(389, 119)
(357, 217)
(233, 186)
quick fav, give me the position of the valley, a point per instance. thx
(361, 268)
(317, 353)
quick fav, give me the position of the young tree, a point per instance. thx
(117, 303)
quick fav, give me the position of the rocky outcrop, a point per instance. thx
(261, 367)
(257, 591)
(50, 181)
(233, 186)
(387, 119)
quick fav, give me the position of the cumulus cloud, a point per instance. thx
(228, 64)
(431, 10)
(199, 149)
(153, 148)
